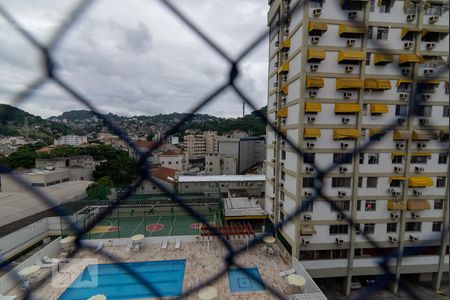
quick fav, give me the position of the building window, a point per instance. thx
(368, 55)
(391, 227)
(281, 216)
(370, 205)
(382, 33)
(315, 3)
(358, 205)
(401, 110)
(445, 111)
(424, 111)
(308, 182)
(434, 9)
(361, 158)
(372, 182)
(413, 226)
(438, 203)
(370, 32)
(396, 183)
(338, 229)
(397, 159)
(360, 182)
(437, 226)
(404, 87)
(374, 158)
(385, 6)
(369, 228)
(283, 154)
(341, 182)
(372, 5)
(440, 181)
(308, 158)
(341, 205)
(342, 158)
(283, 175)
(308, 205)
(419, 159)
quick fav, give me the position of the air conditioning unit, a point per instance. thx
(283, 143)
(395, 193)
(403, 96)
(275, 64)
(339, 241)
(273, 160)
(419, 169)
(345, 120)
(421, 145)
(277, 43)
(399, 145)
(317, 12)
(284, 77)
(428, 72)
(395, 216)
(312, 94)
(275, 123)
(275, 103)
(272, 179)
(340, 216)
(344, 145)
(348, 69)
(342, 194)
(423, 122)
(309, 169)
(393, 239)
(275, 84)
(283, 99)
(417, 193)
(307, 217)
(282, 164)
(315, 40)
(305, 242)
(408, 45)
(281, 184)
(415, 215)
(281, 204)
(433, 19)
(398, 169)
(348, 94)
(351, 43)
(274, 142)
(273, 197)
(283, 121)
(343, 169)
(430, 46)
(286, 31)
(308, 194)
(285, 55)
(401, 121)
(410, 18)
(352, 14)
(310, 145)
(406, 72)
(311, 119)
(413, 238)
(426, 97)
(314, 67)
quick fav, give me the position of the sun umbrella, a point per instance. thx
(207, 293)
(297, 280)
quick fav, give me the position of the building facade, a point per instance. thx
(70, 140)
(339, 72)
(197, 145)
(247, 151)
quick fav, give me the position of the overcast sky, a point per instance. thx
(135, 57)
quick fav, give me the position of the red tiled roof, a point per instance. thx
(44, 150)
(170, 153)
(163, 173)
(144, 143)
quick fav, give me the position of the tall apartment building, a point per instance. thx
(197, 145)
(70, 140)
(340, 71)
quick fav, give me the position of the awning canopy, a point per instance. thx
(420, 181)
(347, 108)
(314, 82)
(408, 33)
(375, 131)
(351, 30)
(311, 133)
(313, 107)
(396, 205)
(418, 204)
(424, 135)
(349, 83)
(282, 112)
(284, 68)
(428, 154)
(347, 133)
(400, 135)
(286, 44)
(394, 154)
(382, 59)
(401, 81)
(316, 55)
(307, 230)
(285, 89)
(396, 178)
(440, 32)
(317, 27)
(378, 108)
(351, 56)
(377, 84)
(408, 58)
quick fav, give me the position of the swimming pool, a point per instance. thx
(115, 283)
(241, 282)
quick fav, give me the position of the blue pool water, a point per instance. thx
(115, 283)
(241, 282)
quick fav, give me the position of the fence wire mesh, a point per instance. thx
(49, 73)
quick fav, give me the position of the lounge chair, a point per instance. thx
(164, 244)
(137, 247)
(48, 260)
(25, 285)
(286, 273)
(99, 247)
(44, 265)
(129, 246)
(177, 244)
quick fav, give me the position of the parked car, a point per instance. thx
(355, 285)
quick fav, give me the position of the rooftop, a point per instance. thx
(221, 178)
(163, 173)
(170, 153)
(239, 207)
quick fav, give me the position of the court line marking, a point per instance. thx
(111, 223)
(172, 225)
(137, 227)
(151, 232)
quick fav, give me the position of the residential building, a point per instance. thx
(197, 145)
(64, 162)
(70, 140)
(247, 151)
(339, 72)
(173, 159)
(218, 164)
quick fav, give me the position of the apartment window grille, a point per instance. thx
(358, 205)
(342, 158)
(370, 205)
(372, 5)
(404, 87)
(434, 9)
(438, 204)
(370, 32)
(283, 154)
(395, 183)
(413, 226)
(372, 182)
(343, 182)
(385, 6)
(309, 158)
(341, 205)
(308, 182)
(377, 136)
(369, 228)
(382, 33)
(440, 181)
(443, 158)
(309, 205)
(445, 111)
(360, 182)
(357, 228)
(401, 110)
(391, 227)
(424, 111)
(358, 252)
(419, 159)
(437, 226)
(374, 158)
(398, 159)
(338, 229)
(361, 158)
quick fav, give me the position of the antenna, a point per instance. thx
(243, 109)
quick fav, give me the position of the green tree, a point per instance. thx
(150, 136)
(99, 190)
(121, 170)
(24, 157)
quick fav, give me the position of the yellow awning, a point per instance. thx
(347, 108)
(382, 59)
(286, 43)
(410, 31)
(285, 89)
(377, 84)
(374, 131)
(283, 112)
(431, 81)
(311, 133)
(351, 29)
(400, 135)
(347, 133)
(424, 135)
(284, 68)
(307, 230)
(420, 181)
(400, 81)
(349, 83)
(316, 55)
(435, 30)
(418, 204)
(313, 107)
(396, 178)
(315, 26)
(283, 131)
(314, 82)
(395, 205)
(421, 154)
(408, 58)
(378, 108)
(345, 56)
(394, 154)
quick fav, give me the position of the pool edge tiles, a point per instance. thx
(240, 282)
(166, 276)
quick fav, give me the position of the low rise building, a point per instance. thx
(64, 162)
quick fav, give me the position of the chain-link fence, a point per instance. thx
(49, 74)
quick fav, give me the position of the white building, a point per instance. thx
(339, 71)
(70, 140)
(197, 145)
(172, 159)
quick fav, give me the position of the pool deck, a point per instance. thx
(200, 265)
